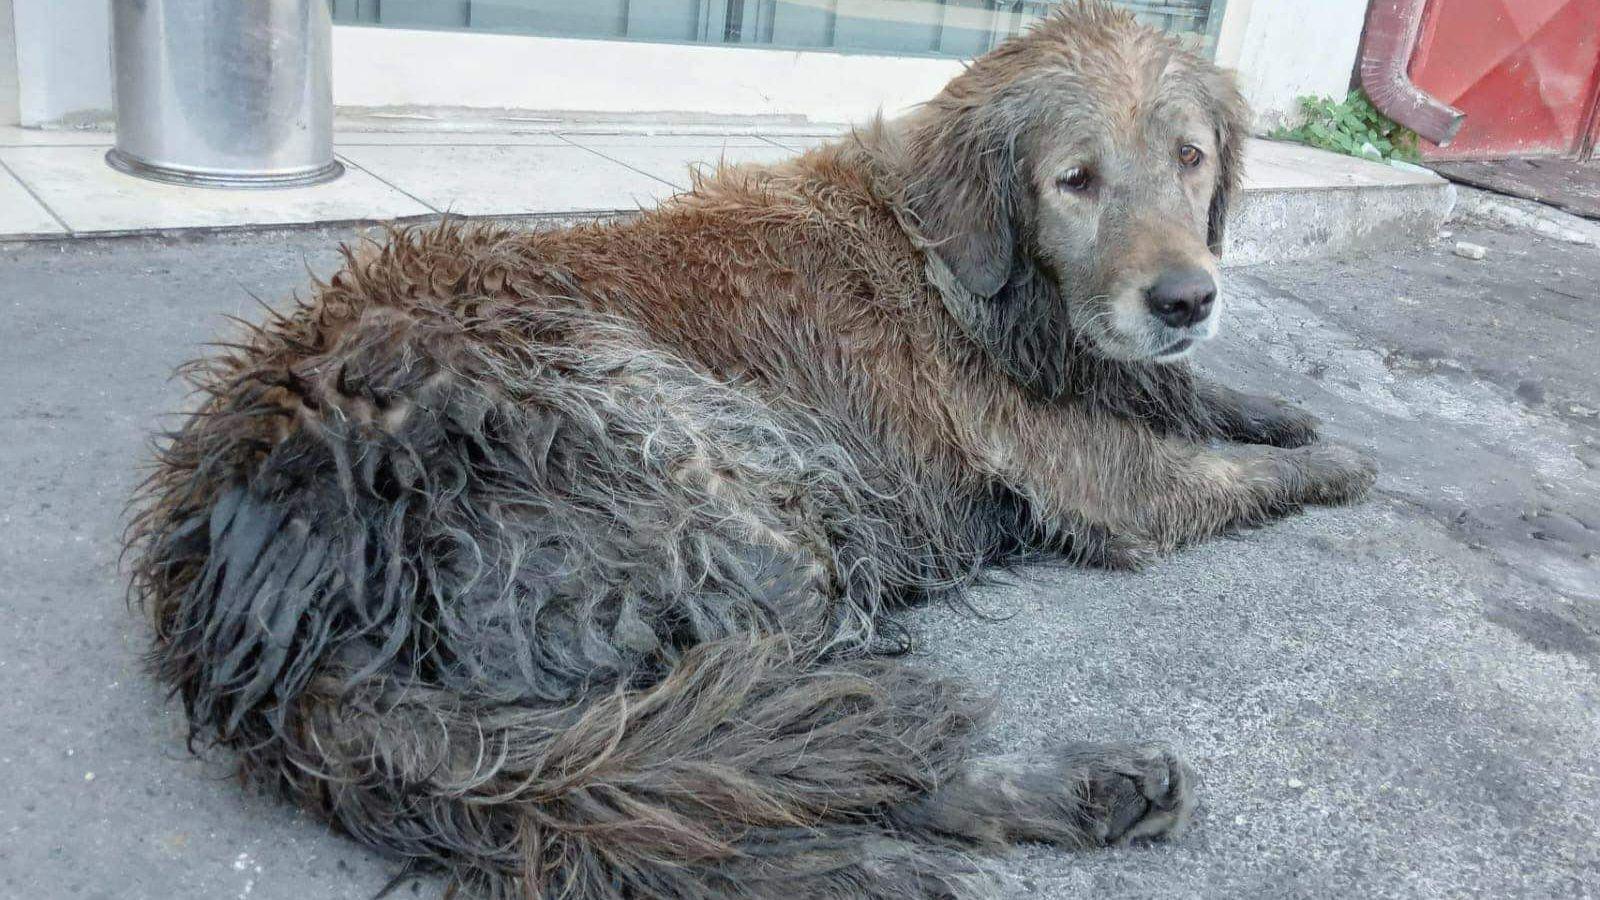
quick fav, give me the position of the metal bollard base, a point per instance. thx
(122, 162)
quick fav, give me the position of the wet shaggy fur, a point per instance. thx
(564, 560)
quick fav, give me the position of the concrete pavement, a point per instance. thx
(1396, 700)
(1297, 202)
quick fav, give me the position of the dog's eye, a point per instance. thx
(1190, 156)
(1077, 180)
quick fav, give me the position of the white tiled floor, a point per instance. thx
(669, 158)
(90, 196)
(20, 213)
(800, 143)
(510, 180)
(449, 139)
(472, 172)
(676, 141)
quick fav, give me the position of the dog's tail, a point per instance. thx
(389, 572)
(736, 776)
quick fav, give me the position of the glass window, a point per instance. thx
(960, 28)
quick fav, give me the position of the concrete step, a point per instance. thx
(1304, 203)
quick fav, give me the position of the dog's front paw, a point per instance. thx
(1131, 792)
(1277, 423)
(1335, 475)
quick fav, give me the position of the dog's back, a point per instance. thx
(502, 583)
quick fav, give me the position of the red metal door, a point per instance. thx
(1526, 73)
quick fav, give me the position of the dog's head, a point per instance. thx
(1071, 189)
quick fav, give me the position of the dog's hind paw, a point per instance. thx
(1131, 792)
(1077, 795)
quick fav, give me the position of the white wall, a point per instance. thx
(63, 60)
(8, 66)
(384, 67)
(1235, 24)
(1284, 49)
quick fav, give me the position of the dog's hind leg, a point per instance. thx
(1078, 795)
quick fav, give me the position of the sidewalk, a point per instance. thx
(1299, 203)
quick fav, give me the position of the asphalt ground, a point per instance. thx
(1397, 699)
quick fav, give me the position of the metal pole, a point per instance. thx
(224, 94)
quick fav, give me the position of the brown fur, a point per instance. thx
(553, 557)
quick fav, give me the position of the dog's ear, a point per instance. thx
(1217, 219)
(963, 188)
(1231, 115)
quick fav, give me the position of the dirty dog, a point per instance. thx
(565, 560)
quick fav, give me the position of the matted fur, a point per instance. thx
(563, 559)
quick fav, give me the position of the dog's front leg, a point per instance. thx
(1252, 419)
(1133, 493)
(1146, 494)
(1204, 492)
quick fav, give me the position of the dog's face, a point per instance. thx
(1074, 185)
(1120, 205)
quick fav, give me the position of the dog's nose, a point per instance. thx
(1182, 297)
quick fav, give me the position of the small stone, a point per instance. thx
(1466, 250)
(88, 776)
(1295, 784)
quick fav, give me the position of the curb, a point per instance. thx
(1287, 225)
(1487, 207)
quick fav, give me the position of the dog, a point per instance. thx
(566, 560)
